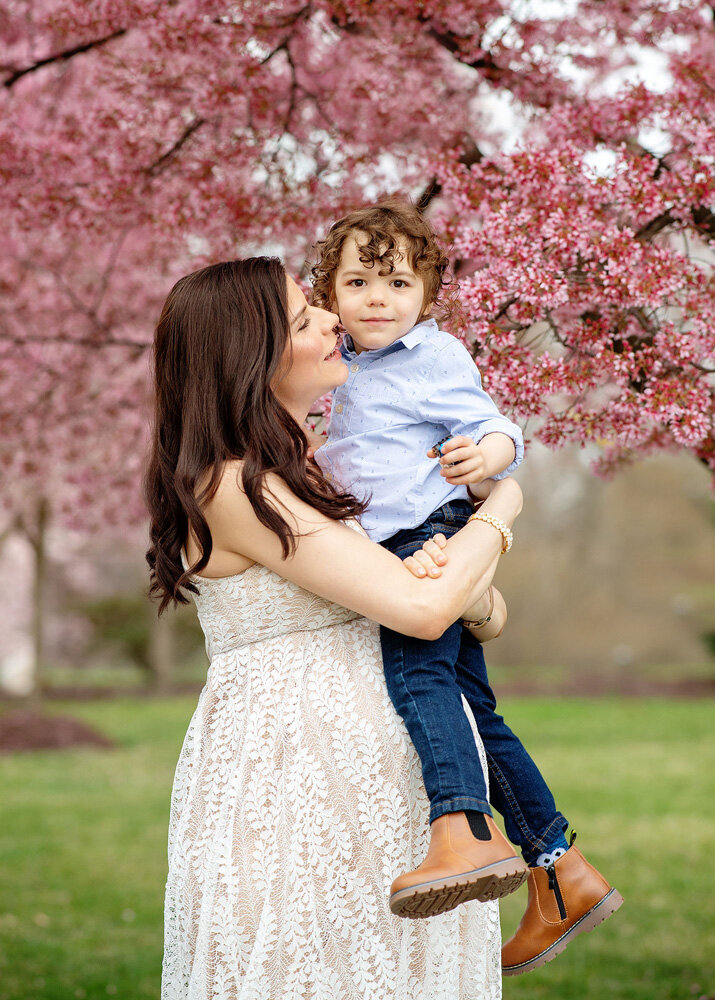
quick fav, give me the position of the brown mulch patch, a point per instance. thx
(27, 730)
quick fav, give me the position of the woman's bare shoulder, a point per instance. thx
(226, 513)
(229, 497)
(231, 502)
(229, 481)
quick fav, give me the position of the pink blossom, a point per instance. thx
(140, 140)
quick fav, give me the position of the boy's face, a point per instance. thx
(376, 309)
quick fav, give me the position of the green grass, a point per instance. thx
(83, 834)
(637, 781)
(83, 857)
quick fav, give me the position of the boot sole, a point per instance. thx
(611, 902)
(430, 898)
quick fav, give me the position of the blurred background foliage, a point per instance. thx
(610, 587)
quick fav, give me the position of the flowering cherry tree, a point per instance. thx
(140, 139)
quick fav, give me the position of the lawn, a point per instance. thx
(83, 833)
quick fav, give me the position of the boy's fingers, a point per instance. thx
(466, 468)
(413, 566)
(427, 562)
(456, 442)
(434, 552)
(439, 539)
(458, 455)
(461, 480)
(474, 472)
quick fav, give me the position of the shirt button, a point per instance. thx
(339, 408)
(354, 368)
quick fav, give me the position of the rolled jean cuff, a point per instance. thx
(559, 825)
(460, 804)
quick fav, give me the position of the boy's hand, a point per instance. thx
(461, 459)
(428, 560)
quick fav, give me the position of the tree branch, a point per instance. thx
(485, 64)
(156, 168)
(134, 345)
(17, 74)
(704, 219)
(652, 228)
(471, 155)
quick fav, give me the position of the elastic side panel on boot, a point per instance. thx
(478, 824)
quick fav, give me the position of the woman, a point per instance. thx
(297, 795)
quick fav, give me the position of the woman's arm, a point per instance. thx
(344, 566)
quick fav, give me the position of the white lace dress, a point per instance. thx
(297, 800)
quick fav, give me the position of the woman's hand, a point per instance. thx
(426, 562)
(491, 604)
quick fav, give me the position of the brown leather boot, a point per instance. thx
(566, 899)
(458, 867)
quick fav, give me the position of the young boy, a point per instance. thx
(410, 387)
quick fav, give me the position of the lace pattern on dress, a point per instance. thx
(297, 800)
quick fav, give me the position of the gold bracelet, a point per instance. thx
(487, 617)
(496, 522)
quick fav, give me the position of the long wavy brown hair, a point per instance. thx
(221, 338)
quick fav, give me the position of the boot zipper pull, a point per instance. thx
(556, 889)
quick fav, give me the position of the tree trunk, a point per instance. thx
(37, 537)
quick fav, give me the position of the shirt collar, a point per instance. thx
(419, 333)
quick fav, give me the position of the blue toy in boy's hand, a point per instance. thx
(438, 447)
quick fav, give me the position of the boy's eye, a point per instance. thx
(400, 283)
(357, 282)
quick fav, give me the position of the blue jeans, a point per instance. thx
(426, 680)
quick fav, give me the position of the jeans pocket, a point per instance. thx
(446, 528)
(409, 548)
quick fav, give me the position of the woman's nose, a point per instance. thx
(330, 321)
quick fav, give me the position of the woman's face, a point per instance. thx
(313, 365)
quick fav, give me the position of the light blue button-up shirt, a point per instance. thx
(397, 402)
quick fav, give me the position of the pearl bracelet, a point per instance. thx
(496, 522)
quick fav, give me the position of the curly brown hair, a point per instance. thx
(390, 227)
